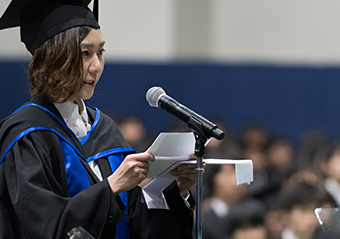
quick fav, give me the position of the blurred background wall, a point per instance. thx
(272, 62)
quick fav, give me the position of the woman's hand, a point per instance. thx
(186, 176)
(131, 172)
(145, 182)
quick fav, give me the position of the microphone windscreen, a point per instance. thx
(153, 95)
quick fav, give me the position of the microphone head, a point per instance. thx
(153, 95)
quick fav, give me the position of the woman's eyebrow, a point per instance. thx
(90, 45)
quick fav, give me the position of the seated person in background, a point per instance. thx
(298, 202)
(134, 132)
(330, 166)
(221, 181)
(245, 220)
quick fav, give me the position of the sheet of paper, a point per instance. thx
(153, 193)
(173, 149)
(243, 167)
(169, 148)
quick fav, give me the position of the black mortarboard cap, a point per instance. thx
(39, 20)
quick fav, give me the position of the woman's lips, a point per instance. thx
(91, 83)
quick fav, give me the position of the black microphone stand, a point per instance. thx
(197, 128)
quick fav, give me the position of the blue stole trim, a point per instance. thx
(122, 229)
(43, 108)
(76, 175)
(29, 130)
(83, 140)
(110, 152)
(77, 178)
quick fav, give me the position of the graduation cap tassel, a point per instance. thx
(96, 9)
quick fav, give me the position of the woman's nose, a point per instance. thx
(95, 65)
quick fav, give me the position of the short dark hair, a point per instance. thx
(302, 194)
(330, 148)
(55, 70)
(245, 214)
(208, 182)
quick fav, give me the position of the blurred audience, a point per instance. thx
(310, 149)
(304, 178)
(330, 166)
(289, 182)
(228, 148)
(254, 135)
(298, 201)
(134, 132)
(245, 220)
(221, 192)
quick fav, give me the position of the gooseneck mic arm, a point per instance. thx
(157, 97)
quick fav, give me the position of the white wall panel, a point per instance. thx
(138, 29)
(285, 31)
(289, 31)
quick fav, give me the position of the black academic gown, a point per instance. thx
(35, 200)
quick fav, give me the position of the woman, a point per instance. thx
(65, 165)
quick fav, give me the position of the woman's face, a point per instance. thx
(92, 49)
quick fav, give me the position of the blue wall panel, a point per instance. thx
(287, 100)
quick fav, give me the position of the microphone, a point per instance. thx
(156, 97)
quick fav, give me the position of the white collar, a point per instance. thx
(70, 110)
(219, 207)
(288, 234)
(333, 188)
(78, 123)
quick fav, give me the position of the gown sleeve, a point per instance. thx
(160, 223)
(37, 195)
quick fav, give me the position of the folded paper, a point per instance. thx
(173, 149)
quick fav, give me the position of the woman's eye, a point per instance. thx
(84, 53)
(101, 52)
